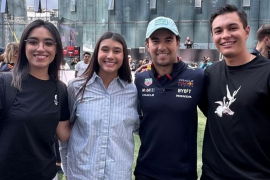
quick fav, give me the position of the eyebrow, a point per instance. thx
(109, 47)
(38, 39)
(155, 38)
(231, 24)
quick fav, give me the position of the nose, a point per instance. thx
(161, 46)
(226, 34)
(110, 54)
(40, 46)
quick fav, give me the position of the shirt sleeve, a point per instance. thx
(64, 107)
(63, 146)
(203, 102)
(77, 66)
(71, 101)
(65, 111)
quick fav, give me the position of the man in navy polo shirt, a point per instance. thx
(169, 94)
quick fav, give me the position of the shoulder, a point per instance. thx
(131, 86)
(261, 63)
(75, 83)
(262, 59)
(193, 71)
(141, 76)
(74, 86)
(215, 66)
(144, 74)
(5, 76)
(61, 85)
(79, 64)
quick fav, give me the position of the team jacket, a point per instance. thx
(168, 128)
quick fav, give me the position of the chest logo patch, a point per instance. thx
(148, 81)
(55, 100)
(185, 82)
(224, 106)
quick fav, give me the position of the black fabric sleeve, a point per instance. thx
(64, 106)
(203, 102)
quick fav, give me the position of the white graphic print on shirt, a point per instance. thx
(224, 107)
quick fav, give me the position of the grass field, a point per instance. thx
(201, 126)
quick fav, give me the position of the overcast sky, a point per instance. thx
(51, 4)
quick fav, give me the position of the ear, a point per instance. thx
(247, 30)
(266, 39)
(178, 43)
(147, 45)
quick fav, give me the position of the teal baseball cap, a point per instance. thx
(160, 23)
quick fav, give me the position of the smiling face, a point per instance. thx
(229, 35)
(110, 58)
(163, 46)
(40, 55)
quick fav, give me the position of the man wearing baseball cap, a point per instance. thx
(168, 94)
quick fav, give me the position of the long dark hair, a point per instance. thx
(21, 68)
(124, 72)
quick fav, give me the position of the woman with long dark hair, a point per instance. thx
(103, 105)
(39, 109)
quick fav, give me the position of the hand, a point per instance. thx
(143, 68)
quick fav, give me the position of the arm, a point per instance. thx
(64, 145)
(76, 73)
(64, 126)
(63, 130)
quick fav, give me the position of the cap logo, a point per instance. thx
(161, 22)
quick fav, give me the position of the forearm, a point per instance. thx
(63, 130)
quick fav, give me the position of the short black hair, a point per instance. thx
(229, 8)
(87, 53)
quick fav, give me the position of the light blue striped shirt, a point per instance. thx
(101, 145)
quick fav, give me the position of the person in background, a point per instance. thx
(145, 61)
(188, 43)
(263, 44)
(64, 64)
(82, 65)
(10, 56)
(103, 102)
(140, 63)
(206, 62)
(168, 94)
(236, 142)
(75, 61)
(39, 110)
(131, 63)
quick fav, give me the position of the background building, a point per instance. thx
(81, 22)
